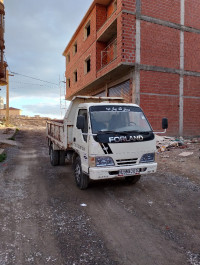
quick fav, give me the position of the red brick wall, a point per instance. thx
(128, 38)
(159, 83)
(158, 107)
(86, 47)
(110, 9)
(101, 16)
(108, 68)
(191, 122)
(168, 10)
(192, 51)
(83, 77)
(192, 86)
(100, 47)
(160, 46)
(107, 23)
(192, 12)
(128, 5)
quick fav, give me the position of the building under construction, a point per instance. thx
(147, 51)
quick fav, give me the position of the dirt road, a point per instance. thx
(46, 219)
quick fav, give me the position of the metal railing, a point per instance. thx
(109, 53)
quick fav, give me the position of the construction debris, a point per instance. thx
(186, 154)
(164, 143)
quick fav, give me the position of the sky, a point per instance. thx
(36, 34)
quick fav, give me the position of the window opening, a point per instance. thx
(83, 112)
(88, 65)
(75, 76)
(75, 48)
(87, 30)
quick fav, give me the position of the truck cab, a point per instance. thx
(113, 141)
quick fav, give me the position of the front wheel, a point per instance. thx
(82, 180)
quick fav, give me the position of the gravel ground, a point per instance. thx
(46, 219)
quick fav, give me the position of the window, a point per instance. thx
(75, 48)
(118, 118)
(83, 112)
(68, 58)
(68, 83)
(75, 76)
(87, 65)
(87, 30)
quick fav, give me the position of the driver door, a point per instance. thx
(81, 141)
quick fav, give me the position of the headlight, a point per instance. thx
(104, 161)
(148, 158)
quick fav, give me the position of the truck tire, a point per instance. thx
(132, 179)
(82, 180)
(54, 157)
(61, 157)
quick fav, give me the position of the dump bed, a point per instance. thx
(55, 132)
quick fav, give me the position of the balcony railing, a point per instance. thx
(109, 53)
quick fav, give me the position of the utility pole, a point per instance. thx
(7, 98)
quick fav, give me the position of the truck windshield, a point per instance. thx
(115, 118)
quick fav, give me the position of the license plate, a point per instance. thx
(129, 172)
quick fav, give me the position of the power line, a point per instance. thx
(29, 76)
(34, 78)
(16, 82)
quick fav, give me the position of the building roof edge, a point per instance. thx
(101, 2)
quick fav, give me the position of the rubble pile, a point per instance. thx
(165, 143)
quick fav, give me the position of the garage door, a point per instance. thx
(121, 90)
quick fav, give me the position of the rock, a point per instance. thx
(2, 151)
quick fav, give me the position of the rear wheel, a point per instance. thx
(132, 179)
(82, 180)
(54, 156)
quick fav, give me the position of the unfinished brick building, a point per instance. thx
(147, 51)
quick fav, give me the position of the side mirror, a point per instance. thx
(80, 124)
(164, 123)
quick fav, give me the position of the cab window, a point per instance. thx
(83, 112)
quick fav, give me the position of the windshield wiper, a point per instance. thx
(132, 131)
(106, 131)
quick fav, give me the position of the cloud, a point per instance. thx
(36, 35)
(43, 109)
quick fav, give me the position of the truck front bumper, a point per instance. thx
(96, 173)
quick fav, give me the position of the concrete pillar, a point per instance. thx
(181, 84)
(137, 56)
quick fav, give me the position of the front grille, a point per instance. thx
(126, 162)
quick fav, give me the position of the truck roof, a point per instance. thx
(105, 103)
(99, 99)
(91, 101)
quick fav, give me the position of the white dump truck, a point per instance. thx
(104, 138)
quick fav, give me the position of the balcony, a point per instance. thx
(107, 46)
(109, 53)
